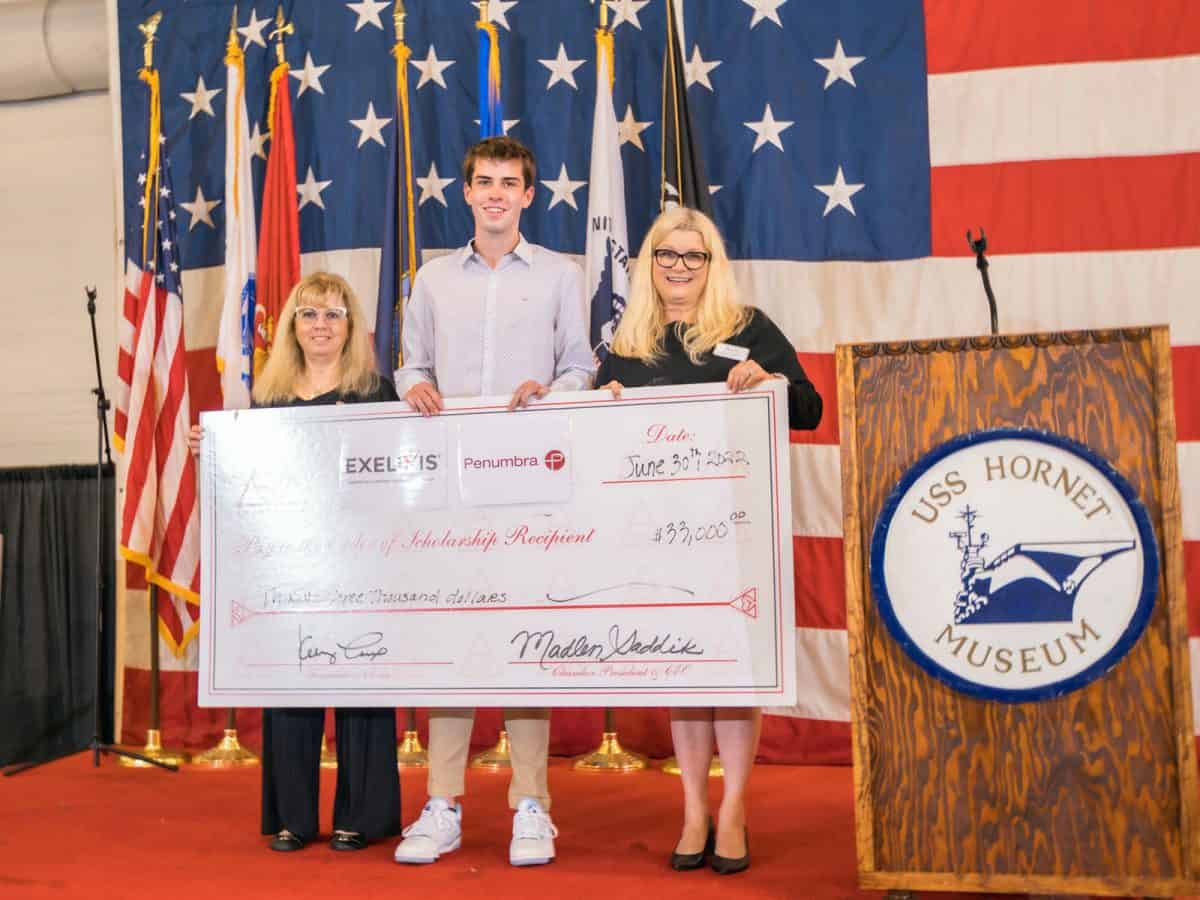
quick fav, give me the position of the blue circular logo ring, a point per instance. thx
(1137, 622)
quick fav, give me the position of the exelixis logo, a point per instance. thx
(1014, 564)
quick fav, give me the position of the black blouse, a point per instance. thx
(767, 345)
(382, 394)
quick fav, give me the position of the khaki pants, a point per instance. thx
(529, 746)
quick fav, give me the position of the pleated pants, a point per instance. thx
(367, 797)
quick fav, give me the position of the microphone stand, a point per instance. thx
(103, 461)
(979, 247)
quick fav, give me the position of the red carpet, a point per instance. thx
(75, 831)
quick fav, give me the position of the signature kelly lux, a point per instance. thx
(366, 646)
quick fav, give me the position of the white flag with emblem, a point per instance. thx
(607, 266)
(235, 338)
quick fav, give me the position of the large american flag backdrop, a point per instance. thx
(849, 146)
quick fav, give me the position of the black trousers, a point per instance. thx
(367, 799)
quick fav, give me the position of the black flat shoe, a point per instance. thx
(286, 842)
(348, 840)
(724, 865)
(686, 862)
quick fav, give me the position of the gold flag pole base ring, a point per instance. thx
(496, 758)
(328, 757)
(409, 752)
(670, 766)
(228, 754)
(610, 757)
(154, 750)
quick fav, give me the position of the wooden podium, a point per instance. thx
(1091, 792)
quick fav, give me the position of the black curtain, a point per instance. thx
(48, 610)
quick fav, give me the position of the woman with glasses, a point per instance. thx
(683, 324)
(322, 355)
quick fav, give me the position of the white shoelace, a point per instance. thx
(530, 824)
(432, 822)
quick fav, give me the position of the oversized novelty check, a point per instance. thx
(582, 552)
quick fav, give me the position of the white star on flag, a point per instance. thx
(629, 130)
(563, 189)
(561, 68)
(765, 9)
(695, 70)
(838, 66)
(201, 99)
(768, 129)
(431, 68)
(370, 128)
(505, 125)
(310, 76)
(839, 193)
(497, 11)
(253, 30)
(626, 11)
(368, 12)
(433, 187)
(200, 209)
(257, 139)
(310, 190)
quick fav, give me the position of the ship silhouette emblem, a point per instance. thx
(1033, 581)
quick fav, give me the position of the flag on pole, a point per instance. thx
(400, 253)
(159, 523)
(683, 180)
(279, 246)
(607, 255)
(235, 337)
(491, 114)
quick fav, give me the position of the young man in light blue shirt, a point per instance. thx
(498, 316)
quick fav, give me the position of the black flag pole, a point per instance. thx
(979, 248)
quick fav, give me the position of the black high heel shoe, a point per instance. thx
(686, 862)
(724, 865)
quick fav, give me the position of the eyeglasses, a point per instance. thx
(330, 314)
(692, 260)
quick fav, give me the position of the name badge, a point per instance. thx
(732, 351)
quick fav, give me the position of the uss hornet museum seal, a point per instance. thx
(1014, 564)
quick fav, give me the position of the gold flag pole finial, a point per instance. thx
(281, 28)
(232, 43)
(483, 12)
(398, 16)
(604, 15)
(149, 30)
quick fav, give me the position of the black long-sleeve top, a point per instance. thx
(384, 392)
(767, 345)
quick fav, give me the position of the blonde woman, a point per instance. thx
(684, 325)
(322, 355)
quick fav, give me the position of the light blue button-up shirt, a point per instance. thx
(472, 330)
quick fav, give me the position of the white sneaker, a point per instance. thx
(437, 831)
(533, 835)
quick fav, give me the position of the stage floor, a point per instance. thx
(75, 831)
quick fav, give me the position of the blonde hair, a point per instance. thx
(719, 315)
(285, 365)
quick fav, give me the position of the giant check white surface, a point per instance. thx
(582, 552)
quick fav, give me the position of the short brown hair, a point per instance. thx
(500, 148)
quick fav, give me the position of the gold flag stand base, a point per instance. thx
(328, 757)
(154, 750)
(496, 758)
(228, 754)
(670, 766)
(409, 752)
(610, 757)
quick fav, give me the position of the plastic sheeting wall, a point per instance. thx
(57, 233)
